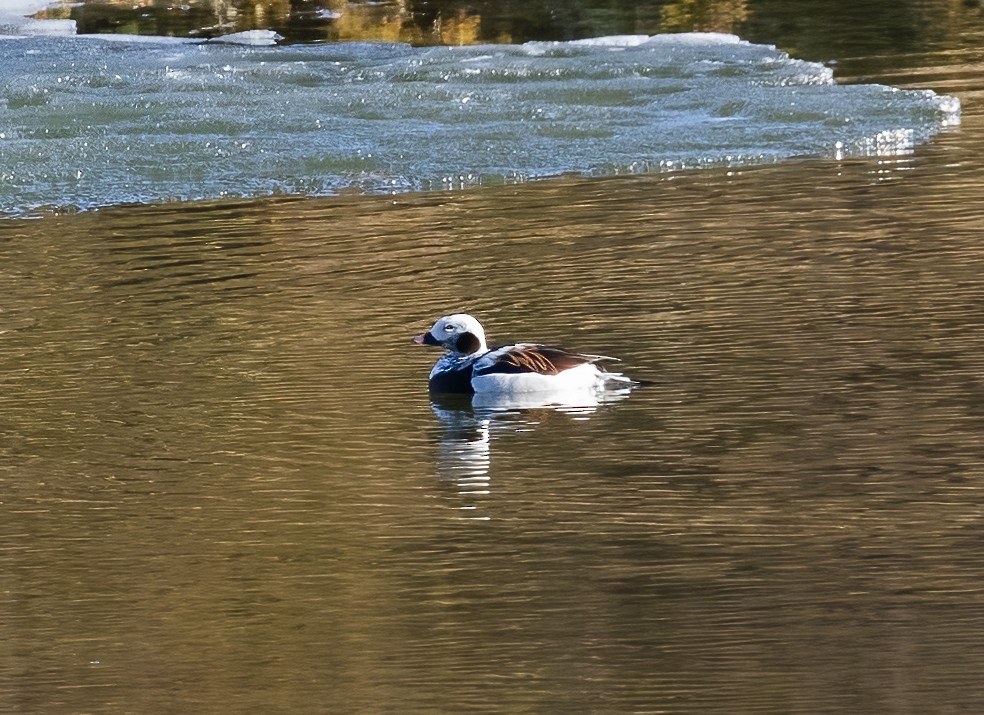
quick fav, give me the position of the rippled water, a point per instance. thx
(224, 488)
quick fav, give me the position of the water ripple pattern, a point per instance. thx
(86, 123)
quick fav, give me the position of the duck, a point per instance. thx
(469, 366)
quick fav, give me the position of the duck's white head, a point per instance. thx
(460, 334)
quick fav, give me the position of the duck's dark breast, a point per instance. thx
(452, 381)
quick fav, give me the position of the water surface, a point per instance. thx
(224, 488)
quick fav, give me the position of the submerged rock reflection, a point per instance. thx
(472, 424)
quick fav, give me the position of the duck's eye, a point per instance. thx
(448, 328)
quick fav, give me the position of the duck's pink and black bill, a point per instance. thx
(425, 339)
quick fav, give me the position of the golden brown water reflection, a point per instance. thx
(223, 487)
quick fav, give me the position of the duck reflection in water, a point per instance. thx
(472, 424)
(478, 392)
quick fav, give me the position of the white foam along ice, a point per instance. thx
(88, 122)
(252, 38)
(255, 38)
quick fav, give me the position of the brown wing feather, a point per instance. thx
(539, 359)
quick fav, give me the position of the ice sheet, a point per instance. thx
(88, 122)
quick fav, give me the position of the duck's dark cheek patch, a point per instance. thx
(467, 343)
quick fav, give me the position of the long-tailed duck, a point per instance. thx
(469, 366)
